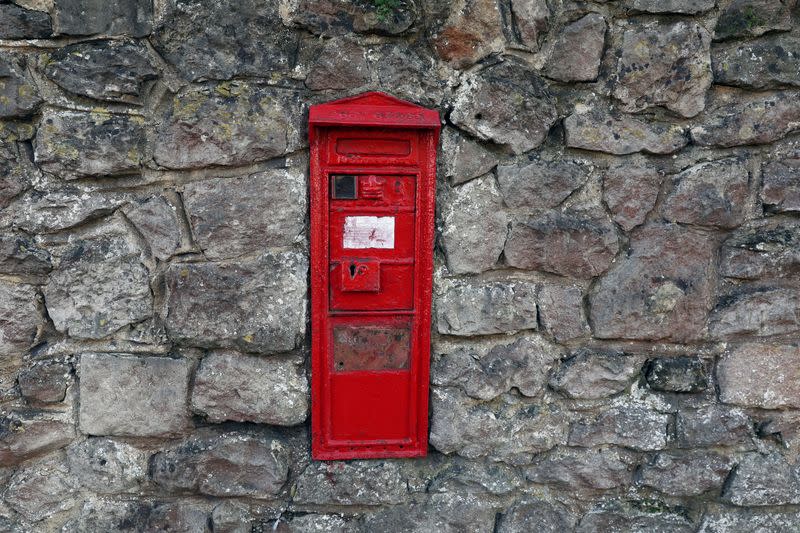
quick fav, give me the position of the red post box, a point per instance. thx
(373, 174)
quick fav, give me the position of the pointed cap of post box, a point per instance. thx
(373, 109)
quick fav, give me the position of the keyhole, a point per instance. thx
(352, 270)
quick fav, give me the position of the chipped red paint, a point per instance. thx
(371, 270)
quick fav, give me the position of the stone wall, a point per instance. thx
(617, 292)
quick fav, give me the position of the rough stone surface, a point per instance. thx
(577, 52)
(474, 226)
(584, 468)
(72, 144)
(561, 311)
(633, 427)
(233, 386)
(621, 134)
(489, 370)
(19, 317)
(337, 17)
(751, 18)
(469, 33)
(19, 96)
(780, 188)
(757, 375)
(763, 480)
(665, 65)
(463, 159)
(473, 429)
(20, 256)
(717, 425)
(231, 123)
(133, 396)
(634, 516)
(767, 63)
(713, 194)
(104, 465)
(507, 104)
(723, 519)
(630, 193)
(671, 6)
(763, 250)
(19, 23)
(100, 284)
(756, 311)
(351, 483)
(540, 515)
(755, 118)
(591, 374)
(575, 243)
(677, 374)
(103, 70)
(484, 309)
(147, 515)
(444, 512)
(340, 65)
(38, 491)
(46, 382)
(239, 216)
(256, 306)
(229, 464)
(661, 290)
(159, 222)
(540, 184)
(89, 17)
(685, 474)
(26, 434)
(224, 40)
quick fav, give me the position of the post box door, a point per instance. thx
(372, 191)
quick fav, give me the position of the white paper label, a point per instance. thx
(369, 232)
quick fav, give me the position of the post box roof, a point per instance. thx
(373, 109)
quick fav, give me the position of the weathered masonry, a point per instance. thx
(615, 277)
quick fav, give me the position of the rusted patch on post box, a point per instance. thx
(371, 348)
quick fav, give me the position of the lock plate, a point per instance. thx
(361, 276)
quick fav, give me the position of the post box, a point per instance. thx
(373, 174)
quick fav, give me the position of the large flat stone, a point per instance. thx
(119, 514)
(40, 490)
(660, 290)
(447, 513)
(90, 17)
(508, 104)
(19, 317)
(462, 158)
(25, 434)
(234, 386)
(578, 50)
(762, 250)
(472, 428)
(76, 144)
(255, 306)
(561, 311)
(711, 194)
(19, 96)
(100, 284)
(579, 244)
(756, 311)
(530, 514)
(664, 64)
(233, 123)
(234, 463)
(780, 187)
(541, 184)
(19, 255)
(767, 63)
(159, 221)
(583, 468)
(631, 426)
(134, 396)
(342, 17)
(104, 70)
(670, 6)
(760, 375)
(763, 480)
(723, 519)
(239, 216)
(715, 425)
(592, 374)
(352, 483)
(470, 33)
(341, 64)
(19, 23)
(742, 118)
(616, 133)
(487, 370)
(686, 474)
(485, 309)
(222, 40)
(751, 18)
(107, 466)
(630, 192)
(474, 226)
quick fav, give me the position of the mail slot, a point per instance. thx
(373, 173)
